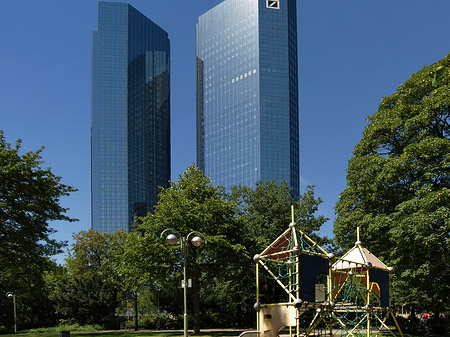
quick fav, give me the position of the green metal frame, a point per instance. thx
(351, 308)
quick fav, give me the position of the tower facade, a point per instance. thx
(247, 93)
(130, 120)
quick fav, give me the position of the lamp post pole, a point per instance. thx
(197, 242)
(11, 295)
(185, 285)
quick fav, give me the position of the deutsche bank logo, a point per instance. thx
(274, 4)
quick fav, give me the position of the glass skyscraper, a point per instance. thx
(130, 125)
(247, 93)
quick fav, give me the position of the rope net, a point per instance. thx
(345, 302)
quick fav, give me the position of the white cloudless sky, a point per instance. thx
(351, 54)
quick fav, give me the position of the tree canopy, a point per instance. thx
(398, 188)
(266, 212)
(87, 290)
(104, 270)
(235, 225)
(193, 204)
(29, 199)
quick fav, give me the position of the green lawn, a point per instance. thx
(176, 333)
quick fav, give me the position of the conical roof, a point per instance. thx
(292, 239)
(279, 248)
(359, 256)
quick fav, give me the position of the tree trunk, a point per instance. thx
(136, 323)
(196, 300)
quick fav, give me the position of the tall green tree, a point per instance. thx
(237, 225)
(398, 188)
(194, 204)
(29, 199)
(94, 252)
(265, 213)
(146, 267)
(89, 288)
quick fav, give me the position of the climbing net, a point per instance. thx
(344, 298)
(281, 259)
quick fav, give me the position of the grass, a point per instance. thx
(92, 331)
(63, 327)
(175, 333)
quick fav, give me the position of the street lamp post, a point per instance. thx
(196, 241)
(11, 295)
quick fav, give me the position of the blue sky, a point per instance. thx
(351, 54)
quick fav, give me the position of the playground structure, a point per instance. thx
(349, 296)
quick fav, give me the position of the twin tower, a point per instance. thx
(247, 103)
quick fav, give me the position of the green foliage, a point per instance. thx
(266, 213)
(29, 199)
(191, 204)
(88, 289)
(102, 271)
(146, 260)
(64, 327)
(96, 253)
(398, 188)
(236, 226)
(87, 299)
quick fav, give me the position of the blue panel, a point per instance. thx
(381, 277)
(310, 267)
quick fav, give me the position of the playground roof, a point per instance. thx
(292, 239)
(358, 256)
(279, 247)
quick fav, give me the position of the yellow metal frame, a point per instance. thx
(328, 312)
